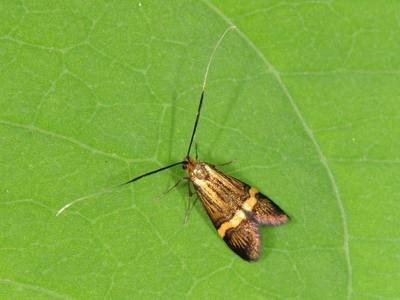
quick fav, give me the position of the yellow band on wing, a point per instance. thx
(239, 215)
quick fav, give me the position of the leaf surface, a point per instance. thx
(304, 98)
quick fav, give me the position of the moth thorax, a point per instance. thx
(200, 171)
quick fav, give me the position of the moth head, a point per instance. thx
(195, 169)
(189, 164)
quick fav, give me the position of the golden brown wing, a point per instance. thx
(235, 209)
(221, 195)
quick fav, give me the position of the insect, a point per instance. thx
(235, 208)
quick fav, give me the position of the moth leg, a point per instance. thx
(169, 189)
(195, 147)
(190, 192)
(189, 205)
(224, 164)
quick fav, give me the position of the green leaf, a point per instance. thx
(304, 97)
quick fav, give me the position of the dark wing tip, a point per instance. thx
(244, 240)
(267, 212)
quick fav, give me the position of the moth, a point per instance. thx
(235, 208)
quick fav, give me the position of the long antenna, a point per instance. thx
(204, 86)
(154, 171)
(68, 205)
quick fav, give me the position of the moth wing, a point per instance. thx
(221, 195)
(244, 240)
(267, 212)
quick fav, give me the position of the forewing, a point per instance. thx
(236, 209)
(221, 195)
(265, 211)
